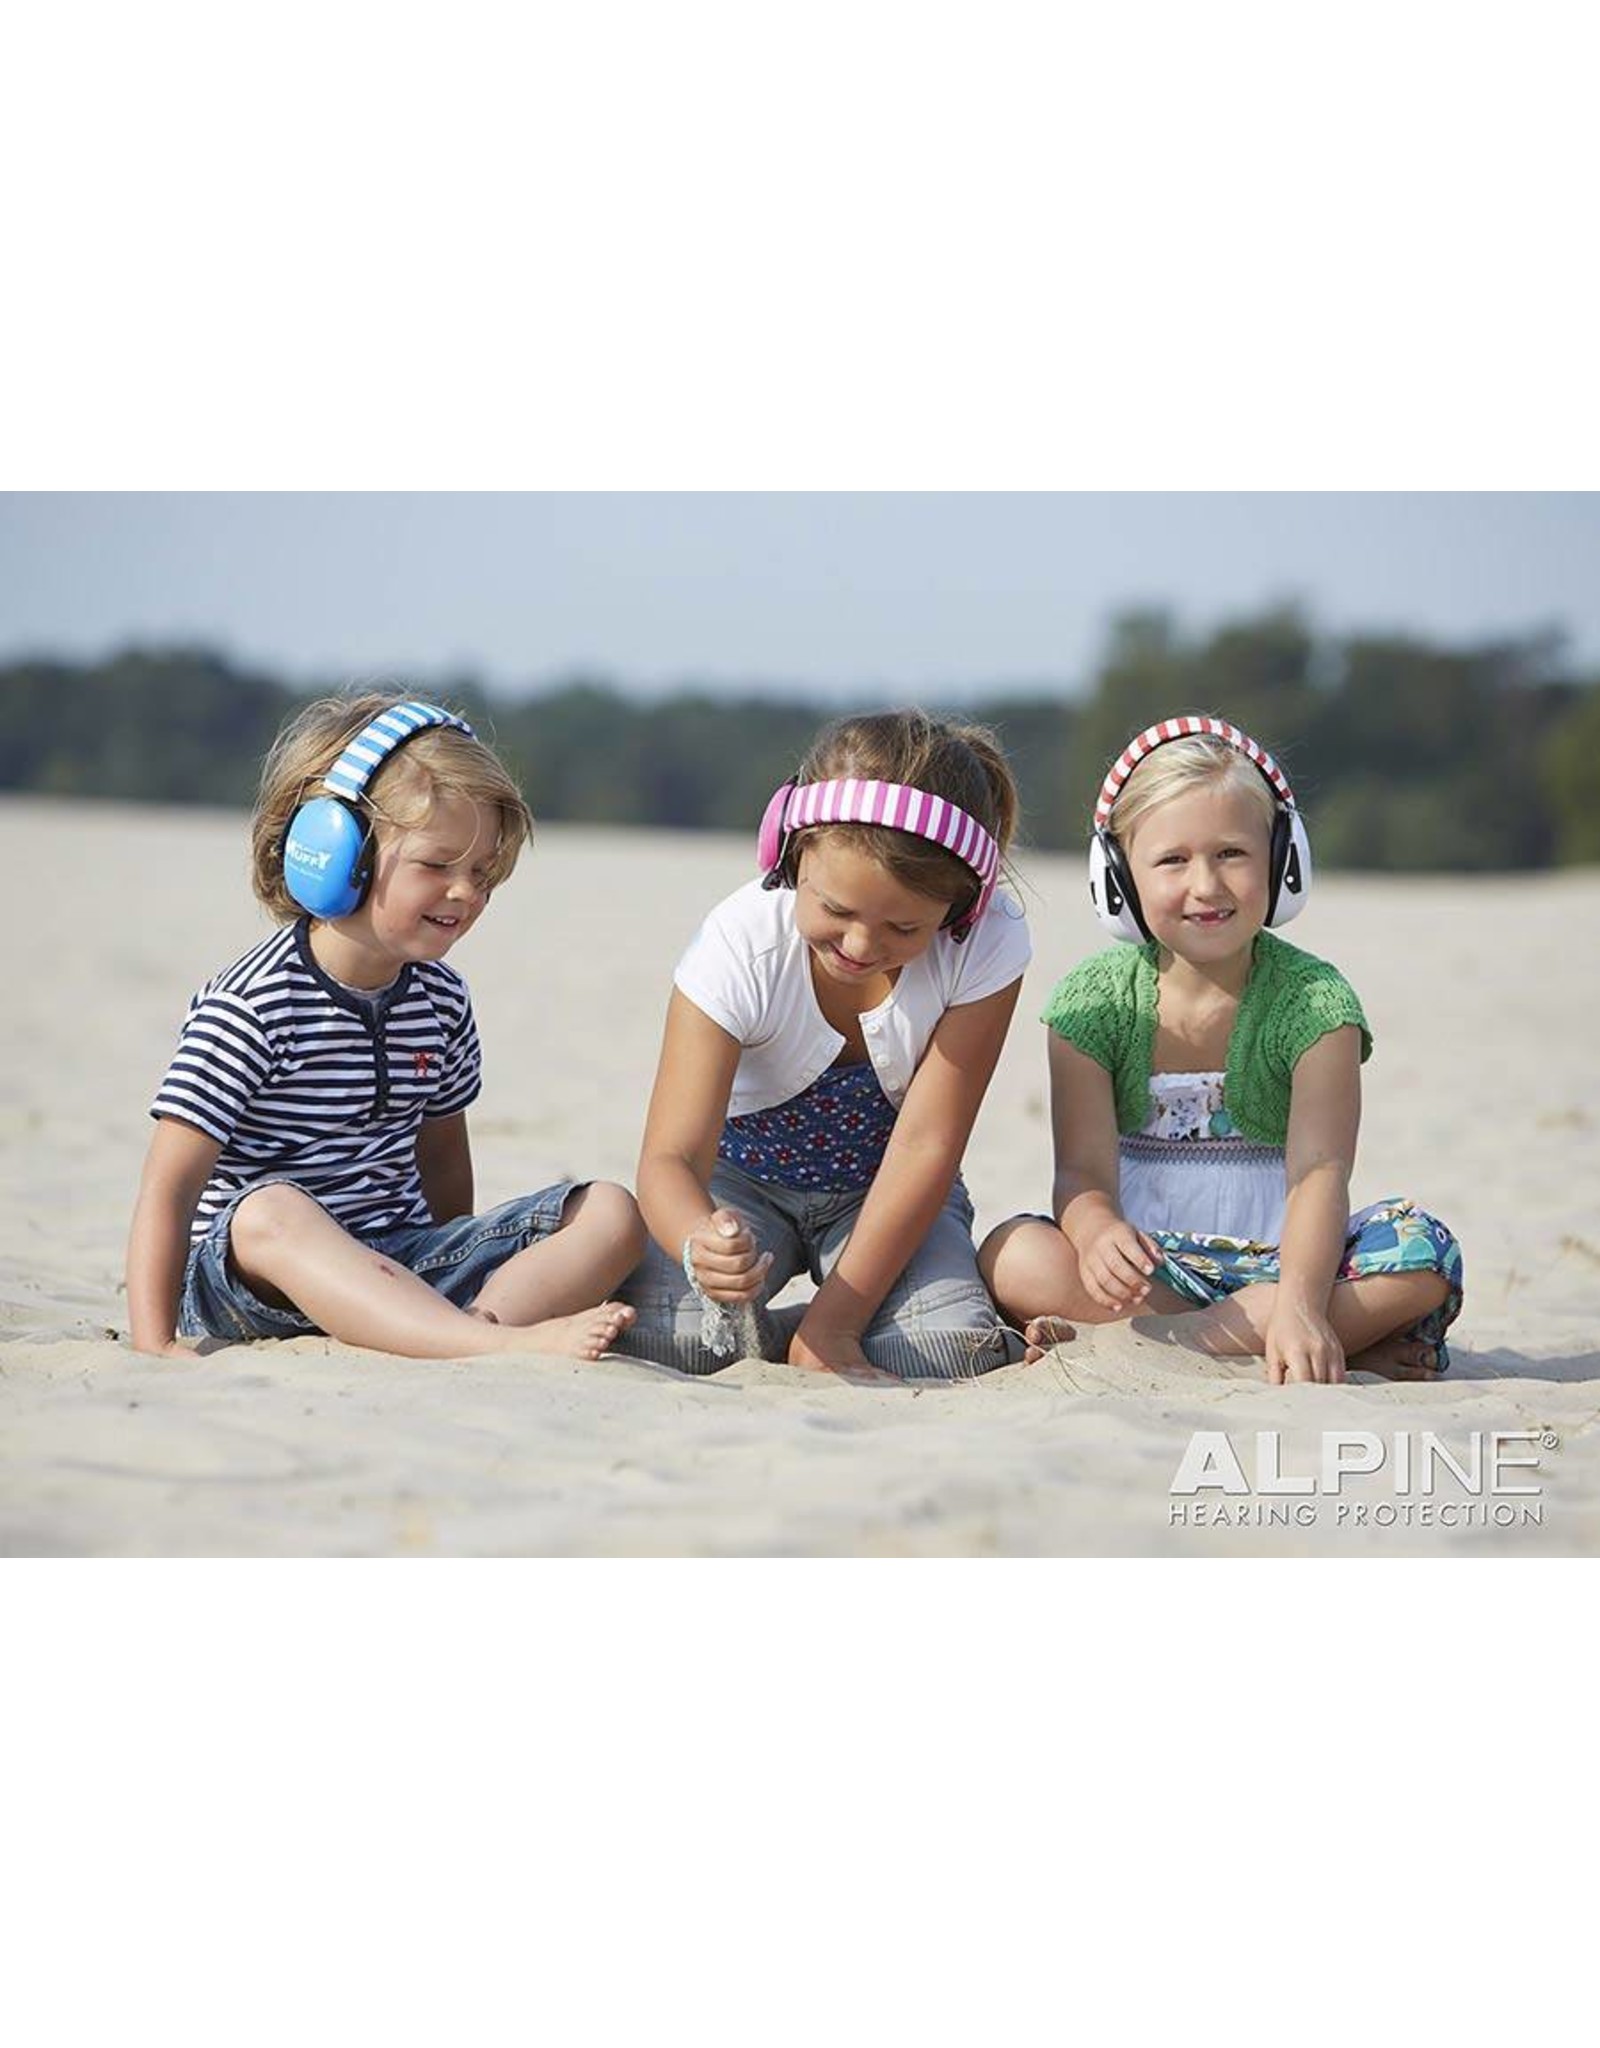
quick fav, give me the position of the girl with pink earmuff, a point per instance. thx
(1206, 1095)
(832, 1030)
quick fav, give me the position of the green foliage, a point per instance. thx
(1569, 769)
(173, 727)
(1404, 754)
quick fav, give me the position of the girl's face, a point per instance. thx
(429, 884)
(1199, 862)
(856, 918)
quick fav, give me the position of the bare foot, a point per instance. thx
(1043, 1334)
(589, 1334)
(1397, 1358)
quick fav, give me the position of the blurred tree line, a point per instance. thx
(1403, 754)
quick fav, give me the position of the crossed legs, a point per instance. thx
(1032, 1271)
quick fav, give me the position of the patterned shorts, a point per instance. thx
(1393, 1236)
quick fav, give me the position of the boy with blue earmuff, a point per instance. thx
(310, 1168)
(1206, 1095)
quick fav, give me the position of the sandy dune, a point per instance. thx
(1480, 1102)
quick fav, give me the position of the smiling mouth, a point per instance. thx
(447, 924)
(850, 966)
(1208, 916)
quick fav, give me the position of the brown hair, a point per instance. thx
(963, 764)
(439, 762)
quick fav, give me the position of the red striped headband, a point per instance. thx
(1185, 728)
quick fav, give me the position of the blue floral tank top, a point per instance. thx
(826, 1140)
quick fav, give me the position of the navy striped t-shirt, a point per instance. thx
(298, 1078)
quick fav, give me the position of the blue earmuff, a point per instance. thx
(327, 850)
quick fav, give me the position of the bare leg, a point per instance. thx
(1368, 1317)
(600, 1240)
(1032, 1272)
(287, 1247)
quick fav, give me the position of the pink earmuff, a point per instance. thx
(852, 800)
(1111, 885)
(769, 842)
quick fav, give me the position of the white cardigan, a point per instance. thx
(748, 969)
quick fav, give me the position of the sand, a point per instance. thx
(1480, 1103)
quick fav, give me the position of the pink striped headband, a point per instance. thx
(854, 800)
(1185, 728)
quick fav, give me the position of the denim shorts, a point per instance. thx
(454, 1258)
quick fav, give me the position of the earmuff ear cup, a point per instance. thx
(1290, 869)
(960, 918)
(769, 840)
(327, 860)
(1111, 890)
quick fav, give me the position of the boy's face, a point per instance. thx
(429, 883)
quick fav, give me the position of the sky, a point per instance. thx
(822, 592)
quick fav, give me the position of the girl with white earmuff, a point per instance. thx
(831, 1032)
(1206, 1096)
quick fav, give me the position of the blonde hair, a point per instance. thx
(439, 762)
(1175, 768)
(963, 764)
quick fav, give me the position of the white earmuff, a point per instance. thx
(1111, 886)
(1291, 881)
(1115, 900)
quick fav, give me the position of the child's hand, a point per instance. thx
(727, 1266)
(836, 1352)
(185, 1348)
(1301, 1345)
(1115, 1264)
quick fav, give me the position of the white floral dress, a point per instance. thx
(1191, 1169)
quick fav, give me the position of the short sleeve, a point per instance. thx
(1089, 1010)
(994, 954)
(463, 1067)
(719, 978)
(1311, 1009)
(1292, 1000)
(224, 1057)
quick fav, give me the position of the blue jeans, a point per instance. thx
(454, 1258)
(936, 1322)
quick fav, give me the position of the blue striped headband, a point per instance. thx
(372, 746)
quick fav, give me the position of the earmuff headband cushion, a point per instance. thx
(372, 746)
(858, 800)
(1111, 884)
(1183, 728)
